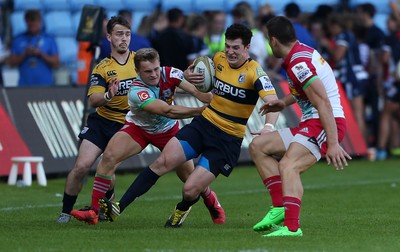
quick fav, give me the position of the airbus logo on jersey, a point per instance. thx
(143, 95)
(123, 87)
(111, 73)
(221, 88)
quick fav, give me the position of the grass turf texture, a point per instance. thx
(352, 210)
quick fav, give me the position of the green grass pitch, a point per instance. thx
(357, 209)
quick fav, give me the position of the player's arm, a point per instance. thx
(316, 93)
(191, 89)
(159, 107)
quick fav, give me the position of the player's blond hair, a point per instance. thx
(145, 54)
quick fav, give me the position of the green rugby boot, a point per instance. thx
(284, 231)
(274, 217)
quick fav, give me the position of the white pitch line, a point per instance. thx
(242, 192)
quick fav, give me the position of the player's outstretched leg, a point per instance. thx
(214, 207)
(177, 218)
(275, 216)
(111, 209)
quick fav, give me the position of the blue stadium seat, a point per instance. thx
(204, 5)
(20, 5)
(59, 23)
(310, 6)
(380, 20)
(18, 24)
(277, 5)
(56, 5)
(67, 49)
(381, 6)
(185, 5)
(140, 5)
(77, 5)
(109, 5)
(230, 4)
(76, 18)
(137, 18)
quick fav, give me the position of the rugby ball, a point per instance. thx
(204, 64)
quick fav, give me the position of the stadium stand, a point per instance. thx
(62, 17)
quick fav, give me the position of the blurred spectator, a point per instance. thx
(151, 26)
(389, 115)
(243, 14)
(348, 66)
(374, 90)
(293, 12)
(196, 26)
(215, 38)
(137, 41)
(35, 53)
(174, 44)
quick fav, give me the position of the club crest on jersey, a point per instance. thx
(143, 95)
(241, 78)
(301, 71)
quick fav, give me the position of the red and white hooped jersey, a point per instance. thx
(304, 64)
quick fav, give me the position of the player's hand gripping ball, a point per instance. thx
(204, 64)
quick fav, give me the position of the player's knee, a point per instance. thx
(80, 170)
(191, 192)
(286, 165)
(109, 159)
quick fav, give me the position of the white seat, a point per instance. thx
(27, 174)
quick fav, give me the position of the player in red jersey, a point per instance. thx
(313, 86)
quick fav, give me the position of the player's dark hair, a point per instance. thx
(174, 15)
(292, 10)
(282, 29)
(367, 8)
(117, 20)
(239, 31)
(33, 15)
(145, 54)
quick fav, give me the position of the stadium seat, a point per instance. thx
(380, 20)
(381, 6)
(204, 5)
(140, 5)
(76, 18)
(137, 18)
(21, 5)
(277, 5)
(310, 6)
(185, 5)
(18, 24)
(77, 5)
(113, 5)
(67, 49)
(230, 4)
(59, 23)
(56, 5)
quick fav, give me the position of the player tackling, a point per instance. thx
(313, 86)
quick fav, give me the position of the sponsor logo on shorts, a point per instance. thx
(227, 167)
(85, 129)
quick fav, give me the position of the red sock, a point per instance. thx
(292, 212)
(274, 186)
(100, 187)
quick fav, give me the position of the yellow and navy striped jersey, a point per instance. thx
(104, 71)
(236, 92)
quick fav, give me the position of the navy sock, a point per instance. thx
(68, 203)
(185, 205)
(110, 193)
(144, 181)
